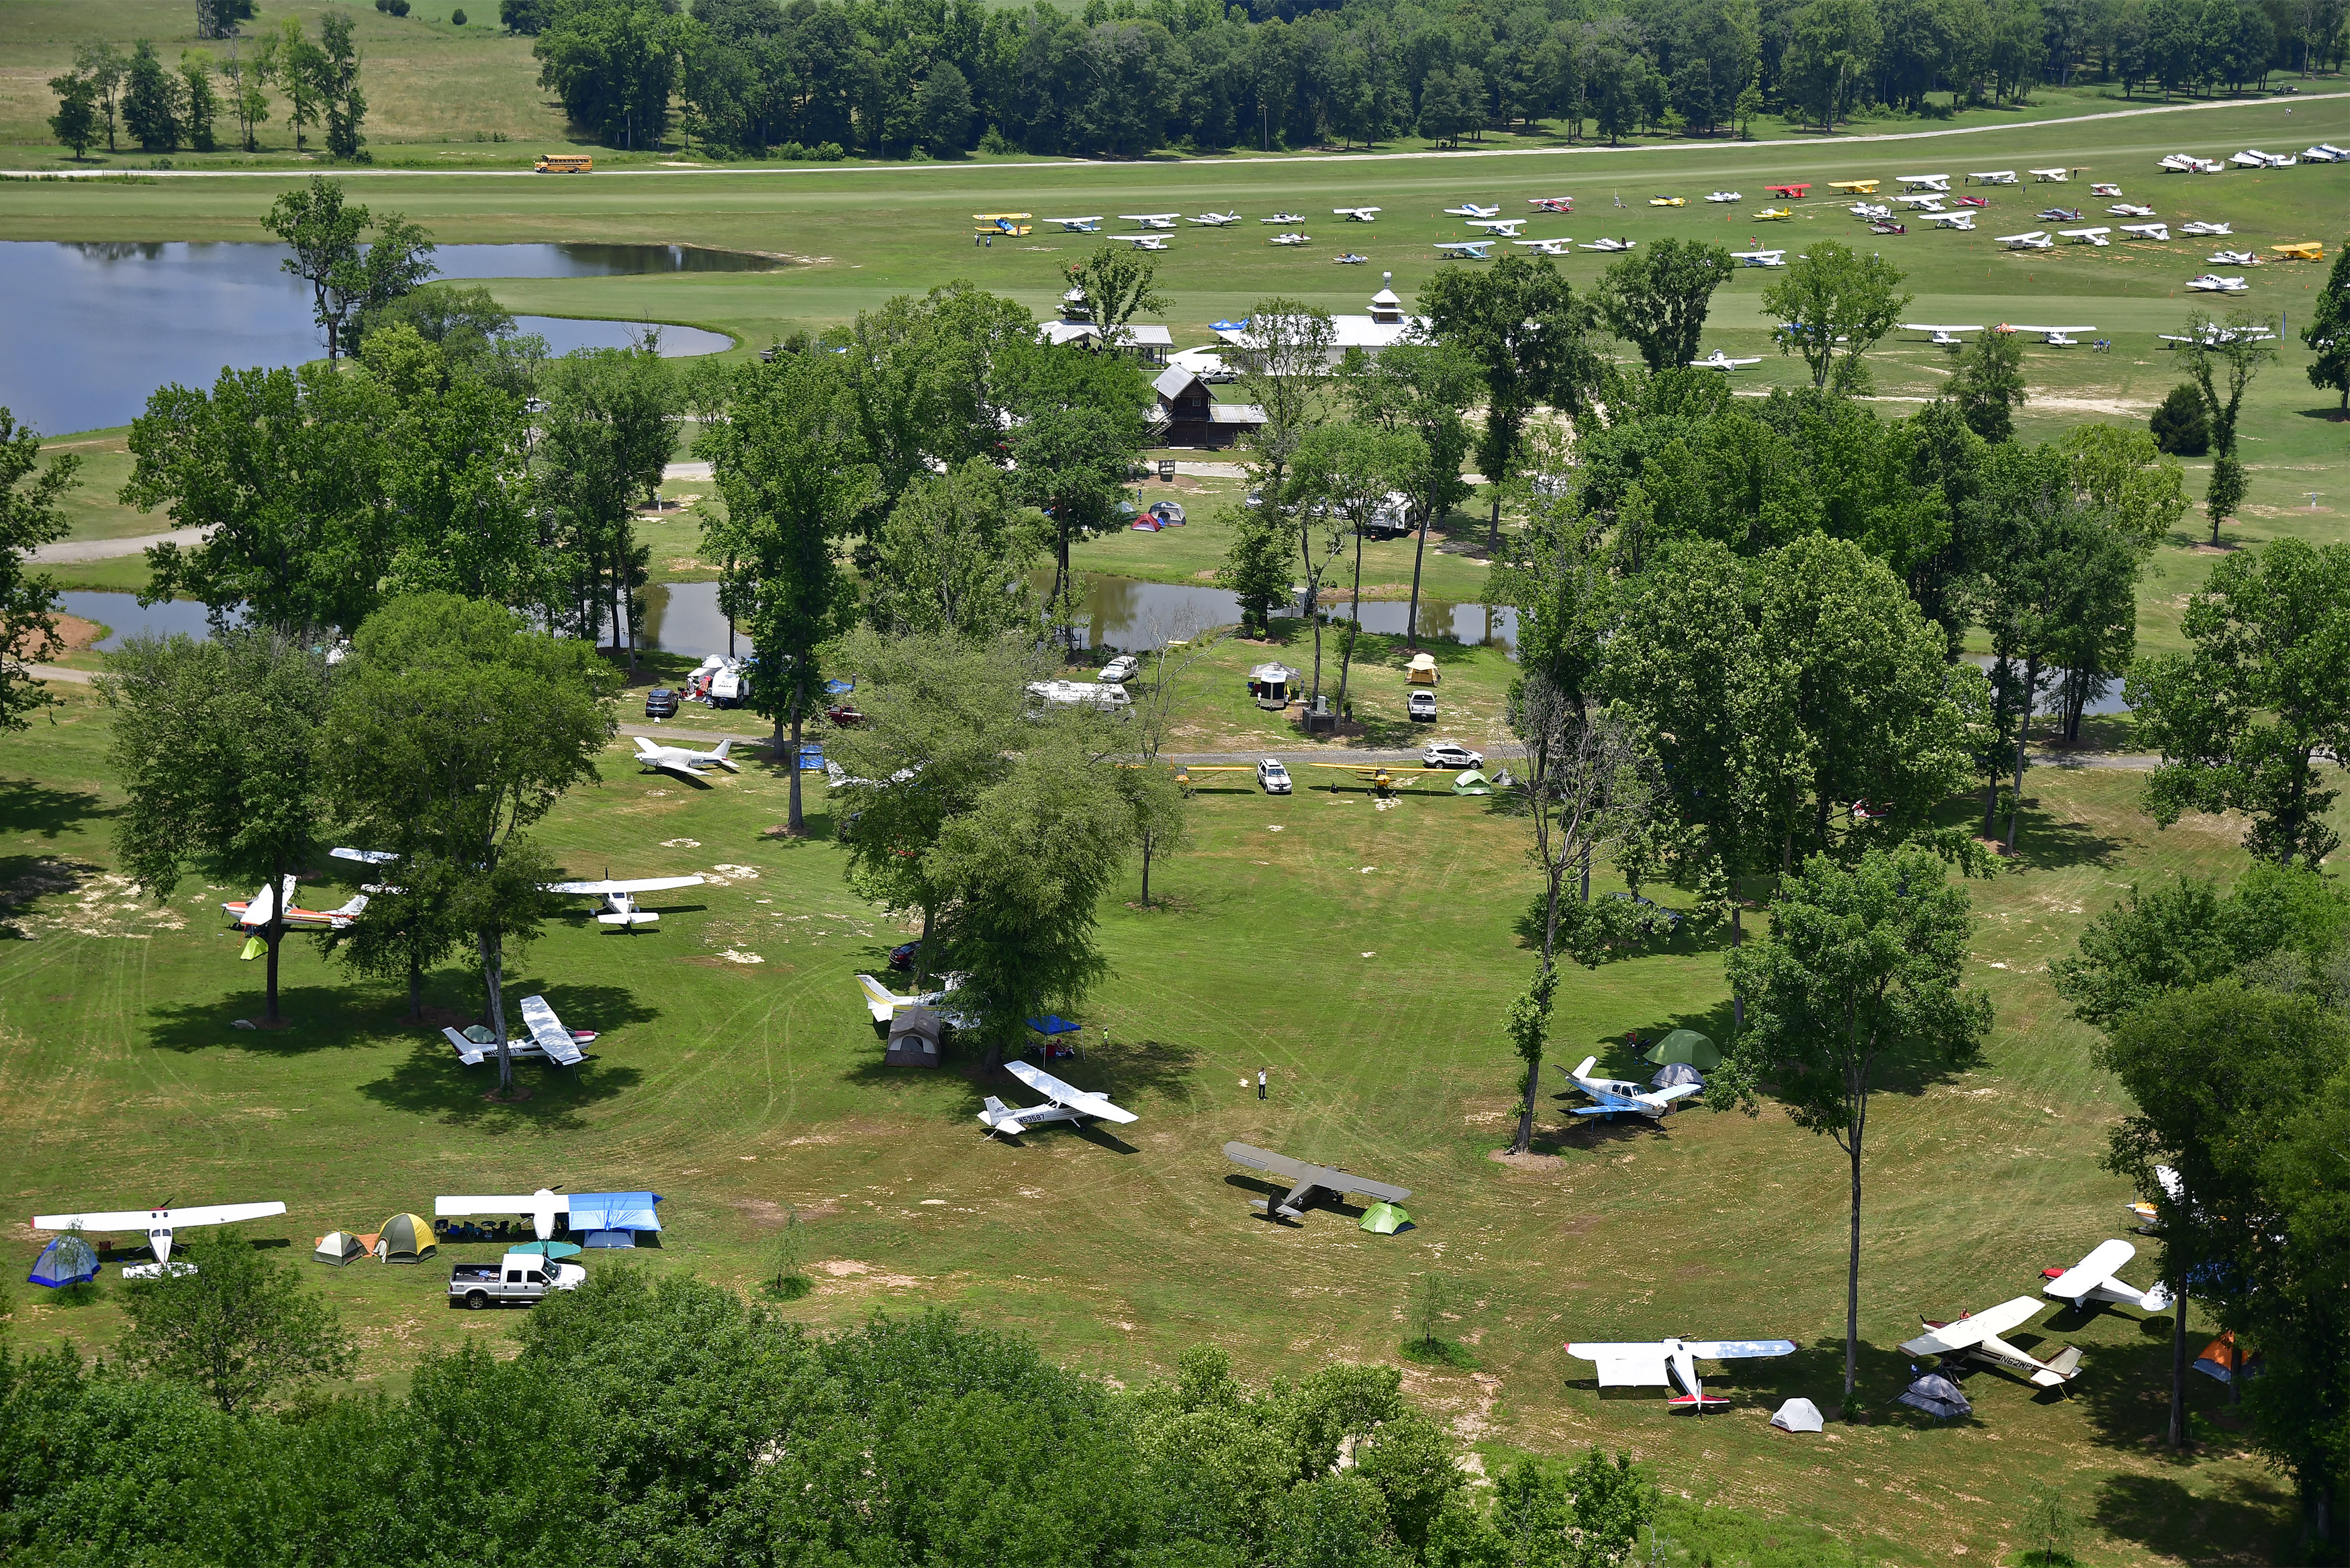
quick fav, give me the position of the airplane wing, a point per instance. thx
(365, 856)
(461, 1206)
(1968, 1332)
(221, 1213)
(1626, 1366)
(1323, 1177)
(2104, 1262)
(645, 748)
(1079, 1100)
(1738, 1349)
(641, 885)
(548, 1030)
(1666, 1096)
(148, 1219)
(681, 769)
(1264, 1160)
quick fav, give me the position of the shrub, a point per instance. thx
(830, 152)
(791, 153)
(2179, 426)
(457, 18)
(398, 8)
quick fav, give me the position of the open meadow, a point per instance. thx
(1362, 952)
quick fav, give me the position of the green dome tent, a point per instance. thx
(1686, 1045)
(407, 1238)
(1385, 1219)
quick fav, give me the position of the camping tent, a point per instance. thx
(1686, 1045)
(1472, 783)
(1798, 1416)
(67, 1260)
(1938, 1397)
(338, 1248)
(2223, 1360)
(1384, 1220)
(612, 1219)
(914, 1034)
(406, 1238)
(1673, 1073)
(1421, 670)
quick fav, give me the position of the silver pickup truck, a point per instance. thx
(518, 1277)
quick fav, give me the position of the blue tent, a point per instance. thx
(838, 687)
(1239, 326)
(1054, 1024)
(614, 1212)
(67, 1261)
(1938, 1397)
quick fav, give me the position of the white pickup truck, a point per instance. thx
(518, 1277)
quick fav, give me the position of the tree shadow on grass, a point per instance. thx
(2160, 1513)
(2125, 1398)
(26, 879)
(27, 806)
(431, 1082)
(2046, 843)
(321, 1018)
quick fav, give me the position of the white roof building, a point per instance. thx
(1385, 325)
(1153, 342)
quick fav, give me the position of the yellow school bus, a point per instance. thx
(565, 164)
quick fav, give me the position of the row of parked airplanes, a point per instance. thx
(1946, 334)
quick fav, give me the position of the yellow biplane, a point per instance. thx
(1382, 778)
(2301, 250)
(1855, 187)
(1001, 223)
(1772, 214)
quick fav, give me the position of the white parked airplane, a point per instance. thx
(2232, 258)
(2325, 153)
(1471, 210)
(884, 1005)
(2214, 336)
(1291, 239)
(1942, 336)
(1350, 259)
(1066, 1105)
(1500, 228)
(1619, 1096)
(2092, 1281)
(157, 1225)
(1994, 177)
(2104, 188)
(1557, 247)
(1931, 202)
(1355, 214)
(1977, 1335)
(1282, 218)
(2086, 236)
(620, 898)
(2036, 240)
(2054, 337)
(2146, 231)
(683, 761)
(1604, 244)
(1151, 220)
(252, 914)
(1467, 250)
(1216, 220)
(1869, 210)
(2212, 283)
(1667, 1361)
(2050, 176)
(1962, 222)
(2188, 163)
(1717, 360)
(2206, 230)
(2254, 158)
(1091, 225)
(1724, 196)
(546, 1038)
(2130, 209)
(1939, 182)
(1142, 241)
(1760, 258)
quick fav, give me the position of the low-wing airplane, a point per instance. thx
(1142, 241)
(2213, 334)
(1215, 220)
(1014, 224)
(1350, 259)
(1668, 201)
(1924, 182)
(1620, 1096)
(2105, 187)
(158, 1225)
(2301, 250)
(2146, 231)
(1856, 187)
(1963, 221)
(1669, 1362)
(547, 1038)
(2058, 214)
(1760, 258)
(2092, 1281)
(1992, 177)
(1471, 210)
(1064, 1104)
(884, 1005)
(1886, 226)
(1557, 247)
(2212, 283)
(2036, 240)
(1355, 214)
(2130, 209)
(1282, 218)
(1977, 1335)
(1313, 1182)
(1869, 210)
(1717, 360)
(2188, 163)
(1501, 228)
(1724, 196)
(1605, 243)
(1291, 239)
(252, 914)
(1930, 202)
(620, 898)
(1091, 225)
(1467, 249)
(2050, 176)
(1941, 336)
(2325, 153)
(1973, 200)
(1151, 219)
(1552, 204)
(2086, 236)
(2053, 337)
(1772, 214)
(683, 761)
(2206, 230)
(2254, 158)
(2232, 258)
(1789, 193)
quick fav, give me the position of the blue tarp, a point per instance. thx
(838, 687)
(1239, 326)
(67, 1261)
(1054, 1024)
(614, 1212)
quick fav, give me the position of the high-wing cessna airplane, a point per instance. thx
(252, 914)
(2205, 231)
(1666, 1362)
(546, 1038)
(2212, 283)
(1467, 250)
(1869, 210)
(1557, 247)
(2036, 240)
(1282, 218)
(1923, 182)
(1501, 228)
(1717, 360)
(1066, 1105)
(1960, 220)
(1471, 210)
(2086, 236)
(1618, 1096)
(682, 762)
(2056, 176)
(1142, 241)
(1992, 177)
(1977, 1335)
(1759, 258)
(1313, 1182)
(1091, 225)
(1291, 239)
(1151, 219)
(1216, 220)
(2054, 337)
(2092, 1282)
(1940, 336)
(884, 1005)
(620, 898)
(2146, 231)
(1355, 214)
(1929, 202)
(1724, 196)
(157, 1225)
(1605, 243)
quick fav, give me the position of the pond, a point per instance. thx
(115, 321)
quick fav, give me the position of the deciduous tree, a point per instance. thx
(1657, 300)
(954, 555)
(30, 516)
(2327, 331)
(1423, 389)
(346, 281)
(1987, 384)
(2221, 358)
(1833, 306)
(239, 1325)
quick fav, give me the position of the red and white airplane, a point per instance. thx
(252, 914)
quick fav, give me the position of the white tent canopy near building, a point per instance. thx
(1385, 327)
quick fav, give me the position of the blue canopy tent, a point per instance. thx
(612, 1219)
(66, 1261)
(1052, 1026)
(1239, 326)
(838, 687)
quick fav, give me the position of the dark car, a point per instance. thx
(660, 702)
(902, 955)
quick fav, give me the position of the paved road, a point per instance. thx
(66, 551)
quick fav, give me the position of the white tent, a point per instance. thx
(1798, 1416)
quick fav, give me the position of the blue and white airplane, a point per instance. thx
(1467, 249)
(1618, 1097)
(1086, 225)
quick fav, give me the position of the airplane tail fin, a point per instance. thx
(645, 748)
(720, 757)
(2063, 1364)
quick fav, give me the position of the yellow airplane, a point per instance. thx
(1771, 215)
(1382, 779)
(2301, 250)
(1000, 222)
(1855, 187)
(1668, 201)
(1183, 771)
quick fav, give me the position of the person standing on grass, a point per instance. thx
(1260, 1083)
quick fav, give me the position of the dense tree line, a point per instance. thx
(164, 109)
(754, 78)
